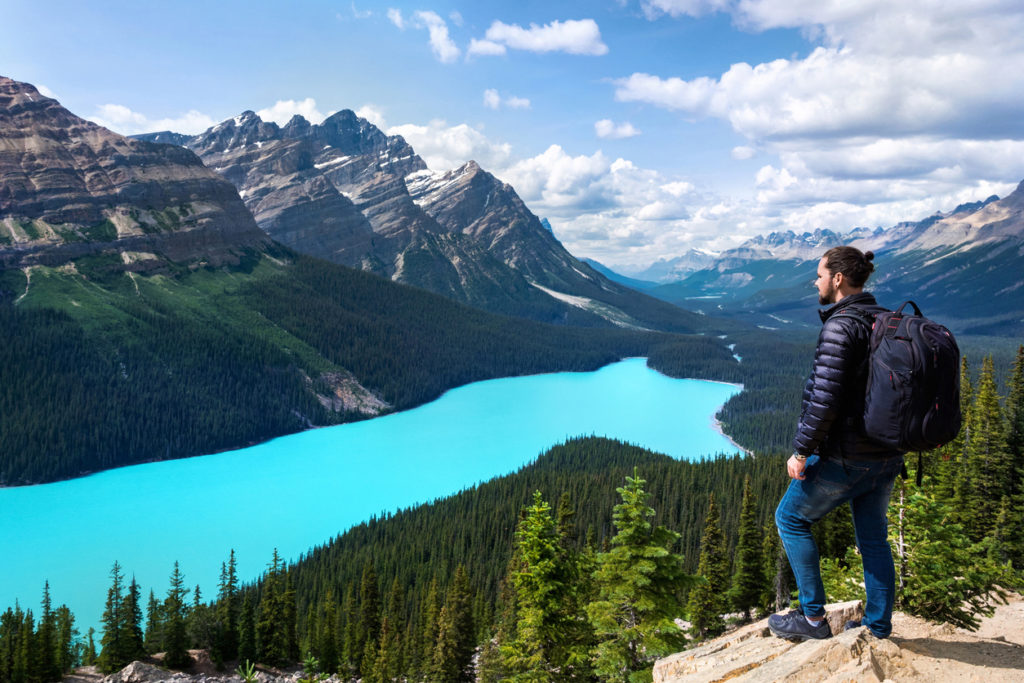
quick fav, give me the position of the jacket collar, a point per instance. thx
(860, 298)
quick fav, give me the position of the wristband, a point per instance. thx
(799, 457)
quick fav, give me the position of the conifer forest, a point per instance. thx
(585, 565)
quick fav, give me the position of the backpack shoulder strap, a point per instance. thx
(856, 313)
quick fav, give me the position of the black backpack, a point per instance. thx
(912, 402)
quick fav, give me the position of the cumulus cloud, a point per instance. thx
(373, 114)
(676, 8)
(441, 43)
(123, 120)
(493, 100)
(574, 36)
(899, 110)
(743, 152)
(485, 47)
(444, 147)
(606, 128)
(283, 110)
(395, 16)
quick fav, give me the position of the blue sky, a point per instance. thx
(640, 128)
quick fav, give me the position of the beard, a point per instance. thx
(827, 298)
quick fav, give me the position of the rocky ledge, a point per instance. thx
(917, 651)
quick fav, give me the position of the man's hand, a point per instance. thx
(796, 467)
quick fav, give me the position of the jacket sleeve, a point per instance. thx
(834, 368)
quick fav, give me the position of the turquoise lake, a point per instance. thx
(301, 490)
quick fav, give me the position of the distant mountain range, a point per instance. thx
(344, 191)
(963, 266)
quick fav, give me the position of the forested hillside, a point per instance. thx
(523, 564)
(105, 367)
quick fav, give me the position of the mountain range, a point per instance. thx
(145, 315)
(344, 191)
(962, 266)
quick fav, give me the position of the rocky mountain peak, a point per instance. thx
(71, 187)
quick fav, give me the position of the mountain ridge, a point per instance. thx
(345, 191)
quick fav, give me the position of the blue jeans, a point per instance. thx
(866, 485)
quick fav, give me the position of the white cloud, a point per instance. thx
(360, 14)
(486, 48)
(395, 16)
(123, 120)
(373, 114)
(444, 147)
(574, 36)
(492, 100)
(606, 128)
(899, 110)
(46, 92)
(693, 8)
(283, 110)
(440, 42)
(456, 18)
(743, 152)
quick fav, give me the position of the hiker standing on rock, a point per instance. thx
(834, 461)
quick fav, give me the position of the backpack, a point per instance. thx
(912, 400)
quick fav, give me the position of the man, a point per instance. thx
(834, 461)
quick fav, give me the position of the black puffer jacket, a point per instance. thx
(832, 422)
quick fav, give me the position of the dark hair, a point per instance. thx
(855, 265)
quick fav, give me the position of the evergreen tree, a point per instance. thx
(25, 657)
(639, 584)
(68, 649)
(175, 613)
(430, 612)
(988, 458)
(775, 569)
(154, 638)
(350, 610)
(228, 609)
(327, 638)
(369, 617)
(111, 656)
(132, 638)
(961, 481)
(89, 655)
(272, 624)
(47, 666)
(1013, 527)
(747, 579)
(247, 651)
(456, 637)
(548, 644)
(943, 575)
(706, 603)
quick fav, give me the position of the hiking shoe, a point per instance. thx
(850, 625)
(793, 626)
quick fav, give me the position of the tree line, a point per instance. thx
(572, 568)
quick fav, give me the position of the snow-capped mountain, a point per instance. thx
(344, 191)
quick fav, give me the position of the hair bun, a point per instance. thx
(869, 255)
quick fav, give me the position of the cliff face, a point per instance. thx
(917, 651)
(69, 187)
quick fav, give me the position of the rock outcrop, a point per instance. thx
(69, 188)
(917, 651)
